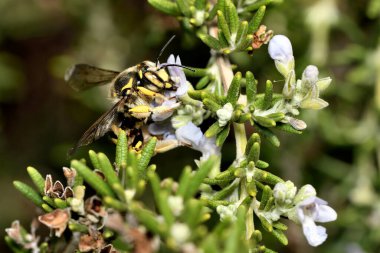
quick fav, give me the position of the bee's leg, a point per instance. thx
(140, 111)
(138, 139)
(147, 92)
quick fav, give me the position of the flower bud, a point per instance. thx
(305, 192)
(284, 193)
(224, 114)
(280, 50)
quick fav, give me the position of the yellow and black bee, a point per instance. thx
(135, 89)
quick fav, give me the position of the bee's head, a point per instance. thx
(148, 66)
(123, 83)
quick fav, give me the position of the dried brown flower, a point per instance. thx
(56, 220)
(92, 241)
(261, 36)
(19, 235)
(56, 190)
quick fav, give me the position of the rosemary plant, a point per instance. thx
(210, 208)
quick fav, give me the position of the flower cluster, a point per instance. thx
(104, 209)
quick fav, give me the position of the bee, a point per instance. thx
(134, 90)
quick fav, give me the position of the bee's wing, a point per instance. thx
(83, 76)
(100, 127)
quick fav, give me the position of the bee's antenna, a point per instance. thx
(175, 65)
(163, 48)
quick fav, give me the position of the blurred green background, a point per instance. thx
(339, 153)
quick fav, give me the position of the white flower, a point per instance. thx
(305, 192)
(310, 75)
(224, 114)
(176, 204)
(284, 193)
(311, 210)
(280, 49)
(180, 232)
(227, 212)
(192, 136)
(177, 75)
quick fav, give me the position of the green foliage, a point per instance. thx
(131, 201)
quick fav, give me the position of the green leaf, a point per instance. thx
(223, 26)
(198, 72)
(226, 191)
(288, 128)
(49, 201)
(197, 179)
(161, 198)
(267, 193)
(264, 121)
(256, 20)
(256, 5)
(166, 6)
(192, 213)
(255, 137)
(233, 243)
(210, 41)
(250, 87)
(60, 203)
(115, 204)
(233, 92)
(211, 104)
(146, 155)
(121, 150)
(184, 7)
(213, 130)
(47, 208)
(254, 152)
(94, 159)
(268, 97)
(269, 205)
(28, 192)
(223, 41)
(212, 12)
(195, 94)
(202, 82)
(280, 226)
(37, 179)
(149, 219)
(200, 4)
(280, 236)
(242, 32)
(245, 43)
(76, 227)
(268, 135)
(184, 181)
(266, 177)
(108, 170)
(210, 244)
(232, 16)
(222, 136)
(92, 179)
(252, 189)
(261, 164)
(276, 116)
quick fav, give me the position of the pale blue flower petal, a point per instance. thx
(189, 134)
(314, 234)
(325, 214)
(280, 49)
